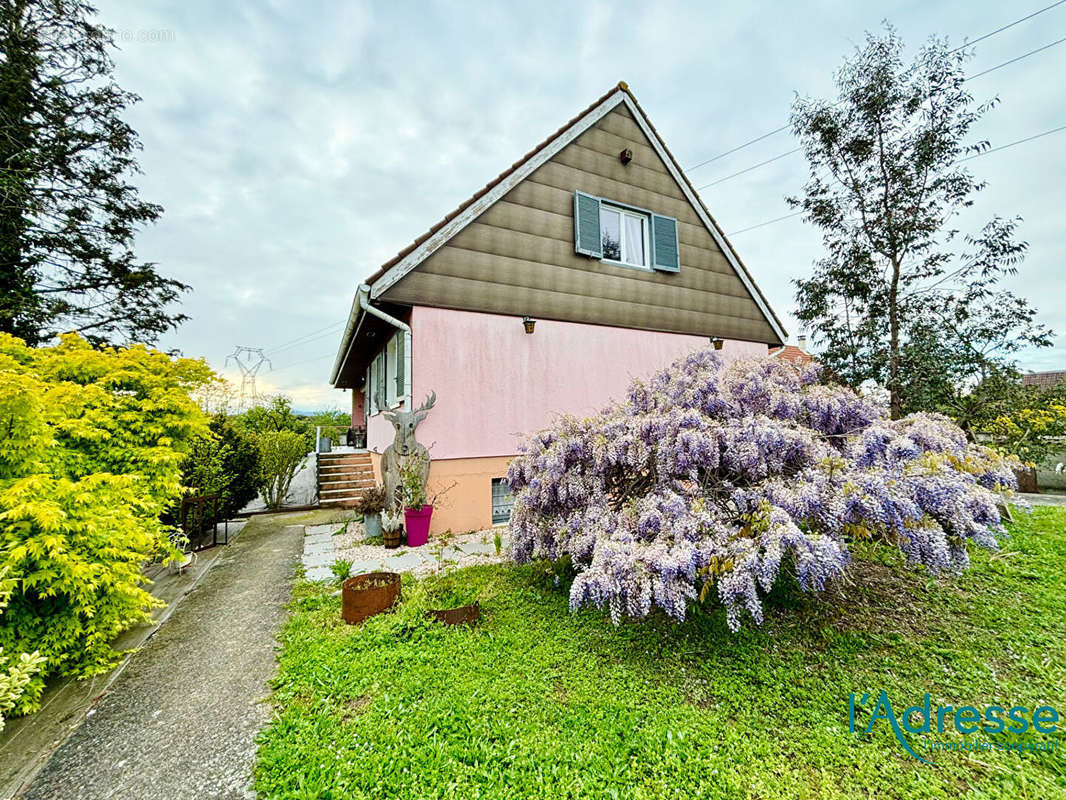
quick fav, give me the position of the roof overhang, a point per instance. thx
(364, 334)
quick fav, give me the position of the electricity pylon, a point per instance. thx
(243, 357)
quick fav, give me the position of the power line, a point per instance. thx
(798, 149)
(1012, 144)
(1019, 58)
(323, 332)
(748, 169)
(300, 339)
(305, 361)
(967, 158)
(738, 147)
(960, 47)
(990, 34)
(309, 338)
(768, 222)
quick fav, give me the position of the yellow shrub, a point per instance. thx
(91, 455)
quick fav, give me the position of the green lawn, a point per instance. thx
(539, 702)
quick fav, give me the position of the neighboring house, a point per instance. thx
(795, 354)
(589, 262)
(1045, 380)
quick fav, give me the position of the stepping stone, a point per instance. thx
(318, 547)
(479, 548)
(449, 558)
(319, 559)
(320, 574)
(323, 530)
(362, 567)
(405, 563)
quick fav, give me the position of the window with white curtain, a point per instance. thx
(624, 236)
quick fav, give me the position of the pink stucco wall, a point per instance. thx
(494, 382)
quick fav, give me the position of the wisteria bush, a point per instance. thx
(720, 476)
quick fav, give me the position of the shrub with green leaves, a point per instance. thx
(281, 453)
(224, 460)
(274, 416)
(240, 464)
(1032, 426)
(92, 453)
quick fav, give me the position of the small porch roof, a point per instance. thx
(369, 334)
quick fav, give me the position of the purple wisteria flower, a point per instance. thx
(715, 476)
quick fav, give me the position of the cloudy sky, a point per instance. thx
(297, 145)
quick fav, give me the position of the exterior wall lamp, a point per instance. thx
(528, 323)
(717, 341)
(625, 156)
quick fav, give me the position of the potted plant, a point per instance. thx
(370, 505)
(417, 512)
(391, 529)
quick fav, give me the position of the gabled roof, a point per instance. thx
(437, 236)
(489, 187)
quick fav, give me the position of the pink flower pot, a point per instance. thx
(417, 523)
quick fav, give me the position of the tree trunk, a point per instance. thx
(895, 401)
(19, 305)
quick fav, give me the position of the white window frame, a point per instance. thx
(645, 231)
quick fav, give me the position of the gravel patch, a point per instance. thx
(441, 554)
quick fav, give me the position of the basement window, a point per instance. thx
(502, 501)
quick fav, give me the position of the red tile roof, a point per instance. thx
(793, 354)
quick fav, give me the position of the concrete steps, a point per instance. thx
(343, 477)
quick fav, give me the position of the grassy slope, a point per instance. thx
(537, 702)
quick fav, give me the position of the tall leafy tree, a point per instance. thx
(68, 209)
(900, 285)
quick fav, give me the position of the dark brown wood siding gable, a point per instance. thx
(518, 256)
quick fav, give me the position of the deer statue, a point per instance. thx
(404, 446)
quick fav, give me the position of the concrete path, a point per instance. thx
(26, 743)
(1043, 499)
(181, 719)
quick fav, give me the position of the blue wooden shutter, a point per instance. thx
(587, 225)
(665, 250)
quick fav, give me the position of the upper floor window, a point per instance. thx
(624, 236)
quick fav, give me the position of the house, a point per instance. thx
(589, 261)
(795, 354)
(1044, 380)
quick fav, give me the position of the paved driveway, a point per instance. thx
(181, 719)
